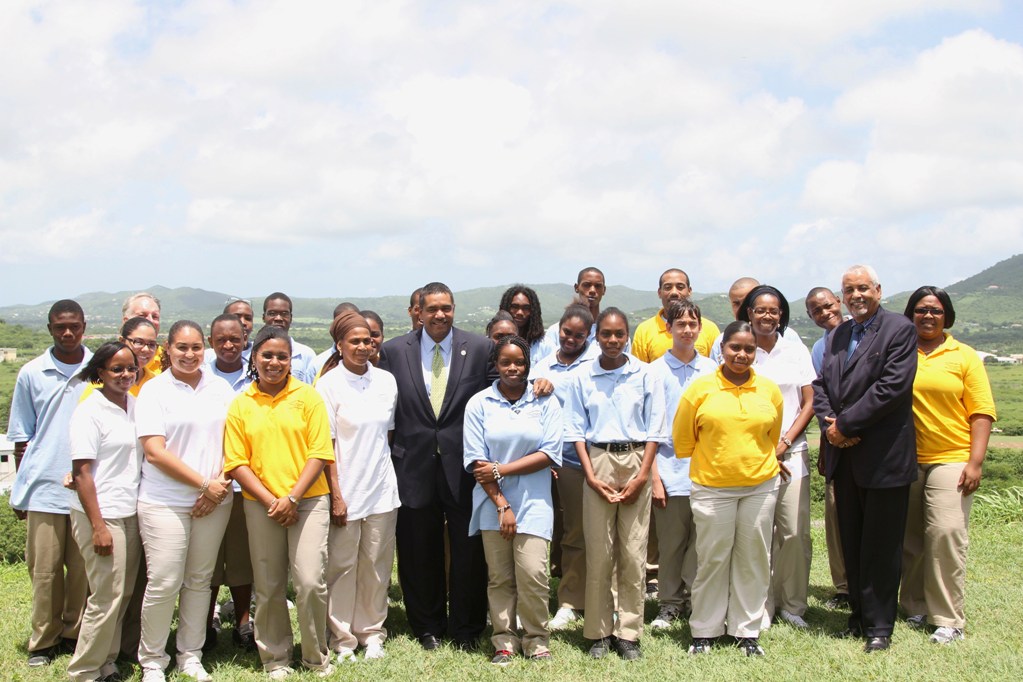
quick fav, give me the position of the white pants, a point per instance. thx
(181, 553)
(733, 549)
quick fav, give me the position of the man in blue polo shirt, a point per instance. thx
(45, 395)
(277, 311)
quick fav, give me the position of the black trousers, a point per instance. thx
(419, 540)
(872, 523)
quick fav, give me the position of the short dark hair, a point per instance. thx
(534, 330)
(579, 277)
(344, 307)
(611, 312)
(414, 297)
(737, 327)
(679, 308)
(938, 293)
(262, 336)
(513, 340)
(133, 323)
(370, 315)
(227, 306)
(766, 289)
(99, 359)
(660, 280)
(500, 316)
(435, 288)
(65, 305)
(226, 317)
(275, 296)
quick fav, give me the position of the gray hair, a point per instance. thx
(135, 297)
(866, 269)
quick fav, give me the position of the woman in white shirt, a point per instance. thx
(105, 465)
(364, 490)
(787, 363)
(184, 499)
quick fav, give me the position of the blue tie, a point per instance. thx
(857, 336)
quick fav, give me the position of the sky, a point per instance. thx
(335, 149)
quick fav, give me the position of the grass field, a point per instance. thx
(993, 649)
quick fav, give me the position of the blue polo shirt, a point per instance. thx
(46, 394)
(497, 430)
(616, 405)
(560, 375)
(303, 361)
(676, 375)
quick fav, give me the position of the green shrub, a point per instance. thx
(12, 533)
(998, 507)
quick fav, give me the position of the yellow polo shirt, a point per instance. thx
(275, 436)
(951, 385)
(652, 338)
(729, 431)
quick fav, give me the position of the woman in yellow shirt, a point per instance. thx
(276, 444)
(729, 422)
(953, 410)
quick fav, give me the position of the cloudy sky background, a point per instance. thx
(363, 148)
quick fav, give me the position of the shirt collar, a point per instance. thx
(445, 343)
(725, 384)
(675, 363)
(631, 365)
(495, 394)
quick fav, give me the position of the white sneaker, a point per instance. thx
(279, 673)
(153, 675)
(193, 668)
(326, 671)
(793, 620)
(345, 655)
(562, 618)
(374, 650)
(917, 622)
(946, 635)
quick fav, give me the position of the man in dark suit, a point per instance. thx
(437, 368)
(865, 396)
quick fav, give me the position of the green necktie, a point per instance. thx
(438, 380)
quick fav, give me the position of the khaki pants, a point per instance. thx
(791, 548)
(836, 562)
(615, 532)
(518, 586)
(934, 550)
(676, 536)
(359, 562)
(572, 588)
(111, 582)
(733, 543)
(181, 552)
(302, 548)
(58, 599)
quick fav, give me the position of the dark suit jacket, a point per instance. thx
(418, 434)
(871, 393)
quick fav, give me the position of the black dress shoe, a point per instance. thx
(429, 642)
(602, 647)
(877, 644)
(848, 633)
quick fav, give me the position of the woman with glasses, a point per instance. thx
(953, 410)
(106, 465)
(787, 364)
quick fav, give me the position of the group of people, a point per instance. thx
(242, 458)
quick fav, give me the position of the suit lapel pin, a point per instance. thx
(463, 351)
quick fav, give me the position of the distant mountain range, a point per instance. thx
(988, 303)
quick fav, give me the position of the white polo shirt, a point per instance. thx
(361, 412)
(789, 365)
(192, 421)
(104, 433)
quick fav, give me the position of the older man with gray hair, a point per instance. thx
(864, 395)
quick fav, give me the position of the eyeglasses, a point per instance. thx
(130, 369)
(139, 344)
(936, 312)
(773, 312)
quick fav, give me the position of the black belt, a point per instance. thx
(620, 447)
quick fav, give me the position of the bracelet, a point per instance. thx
(205, 486)
(785, 439)
(497, 474)
(501, 510)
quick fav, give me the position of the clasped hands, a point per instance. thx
(216, 492)
(626, 494)
(836, 437)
